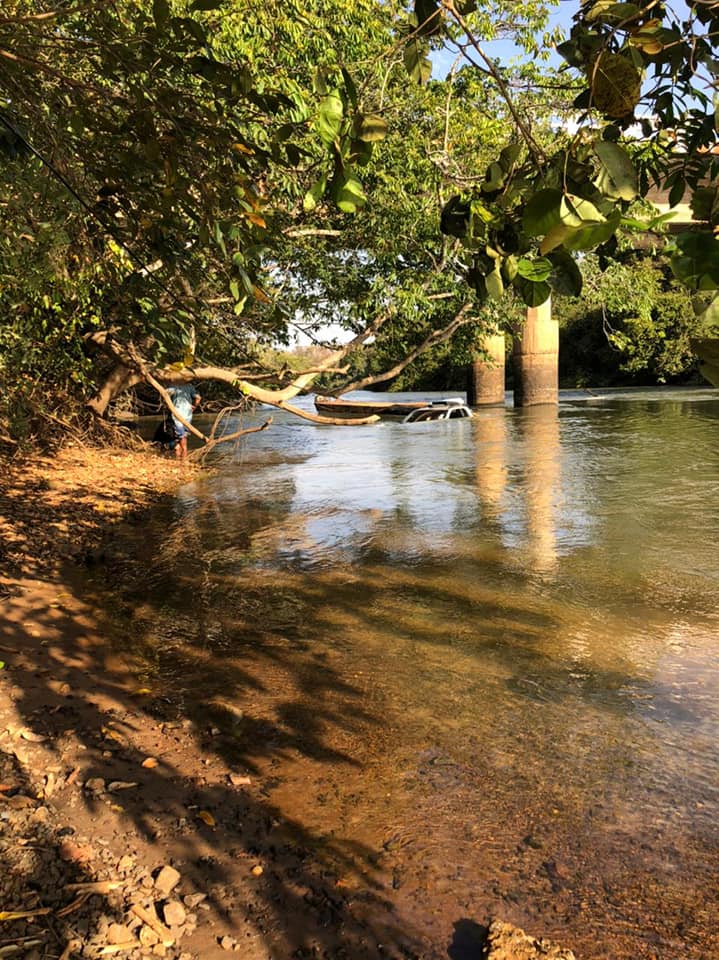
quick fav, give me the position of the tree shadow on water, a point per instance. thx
(77, 669)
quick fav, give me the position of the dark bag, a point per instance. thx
(165, 432)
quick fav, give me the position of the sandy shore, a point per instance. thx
(96, 795)
(128, 827)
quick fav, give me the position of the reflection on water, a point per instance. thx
(485, 649)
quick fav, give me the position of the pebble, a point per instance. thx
(228, 943)
(118, 933)
(174, 913)
(167, 879)
(72, 852)
(193, 899)
(95, 785)
(148, 937)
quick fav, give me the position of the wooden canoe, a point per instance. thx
(332, 407)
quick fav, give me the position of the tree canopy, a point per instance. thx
(184, 183)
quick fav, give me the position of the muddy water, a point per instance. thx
(476, 662)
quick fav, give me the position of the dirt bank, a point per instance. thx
(92, 789)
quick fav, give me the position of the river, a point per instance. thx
(475, 661)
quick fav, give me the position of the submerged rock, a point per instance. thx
(507, 942)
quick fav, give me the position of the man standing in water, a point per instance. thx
(186, 400)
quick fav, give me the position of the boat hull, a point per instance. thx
(360, 408)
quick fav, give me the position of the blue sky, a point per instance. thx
(504, 50)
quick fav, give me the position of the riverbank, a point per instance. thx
(82, 876)
(128, 825)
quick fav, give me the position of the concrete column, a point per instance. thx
(485, 378)
(536, 358)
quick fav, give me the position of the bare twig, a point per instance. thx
(226, 438)
(437, 336)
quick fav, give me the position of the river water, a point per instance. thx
(475, 661)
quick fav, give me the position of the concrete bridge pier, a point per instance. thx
(535, 358)
(485, 377)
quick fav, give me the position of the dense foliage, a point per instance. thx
(184, 184)
(633, 325)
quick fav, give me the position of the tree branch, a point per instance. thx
(437, 336)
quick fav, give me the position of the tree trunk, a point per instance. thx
(119, 380)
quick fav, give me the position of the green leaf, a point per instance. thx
(160, 13)
(509, 268)
(350, 87)
(565, 278)
(677, 191)
(696, 261)
(615, 83)
(533, 294)
(607, 11)
(707, 311)
(534, 270)
(494, 178)
(455, 217)
(509, 156)
(617, 177)
(494, 284)
(577, 212)
(416, 61)
(707, 349)
(428, 17)
(314, 194)
(555, 238)
(705, 204)
(347, 193)
(592, 235)
(370, 127)
(329, 120)
(542, 212)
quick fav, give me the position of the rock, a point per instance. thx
(257, 871)
(159, 950)
(72, 852)
(174, 913)
(95, 785)
(167, 879)
(228, 943)
(507, 942)
(118, 933)
(193, 899)
(125, 863)
(148, 937)
(239, 781)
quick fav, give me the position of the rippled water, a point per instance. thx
(485, 650)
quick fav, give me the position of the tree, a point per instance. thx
(633, 324)
(642, 116)
(276, 192)
(224, 191)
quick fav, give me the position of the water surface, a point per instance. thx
(485, 651)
